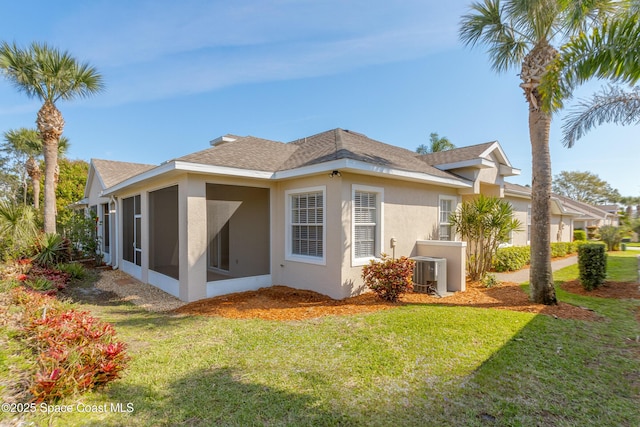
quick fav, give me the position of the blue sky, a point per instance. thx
(181, 73)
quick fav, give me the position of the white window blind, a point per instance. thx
(307, 224)
(365, 224)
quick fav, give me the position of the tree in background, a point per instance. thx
(26, 143)
(607, 52)
(50, 75)
(436, 144)
(584, 187)
(483, 223)
(520, 34)
(73, 178)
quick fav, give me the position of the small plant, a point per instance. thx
(389, 278)
(39, 284)
(490, 280)
(75, 270)
(52, 249)
(592, 264)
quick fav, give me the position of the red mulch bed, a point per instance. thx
(285, 304)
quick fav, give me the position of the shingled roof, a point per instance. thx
(113, 172)
(456, 155)
(244, 153)
(339, 144)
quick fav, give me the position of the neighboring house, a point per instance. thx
(567, 215)
(104, 174)
(249, 212)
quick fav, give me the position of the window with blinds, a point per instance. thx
(365, 219)
(307, 224)
(446, 209)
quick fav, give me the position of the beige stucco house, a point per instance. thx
(248, 212)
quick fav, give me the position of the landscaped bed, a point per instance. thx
(284, 303)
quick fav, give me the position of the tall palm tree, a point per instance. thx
(520, 33)
(28, 142)
(436, 144)
(607, 52)
(48, 74)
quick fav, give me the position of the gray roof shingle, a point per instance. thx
(112, 172)
(456, 155)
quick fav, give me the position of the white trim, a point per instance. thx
(131, 269)
(379, 248)
(164, 282)
(289, 255)
(239, 284)
(454, 207)
(341, 164)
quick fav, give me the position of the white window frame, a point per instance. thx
(379, 191)
(454, 206)
(289, 255)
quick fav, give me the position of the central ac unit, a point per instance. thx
(430, 275)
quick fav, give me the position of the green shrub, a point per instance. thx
(52, 249)
(560, 249)
(579, 235)
(511, 258)
(389, 278)
(76, 352)
(592, 264)
(81, 231)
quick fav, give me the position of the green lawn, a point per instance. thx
(413, 365)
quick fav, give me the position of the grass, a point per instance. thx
(413, 365)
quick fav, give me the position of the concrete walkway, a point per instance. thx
(522, 276)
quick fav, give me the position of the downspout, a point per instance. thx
(115, 251)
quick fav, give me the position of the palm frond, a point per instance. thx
(47, 73)
(608, 52)
(611, 105)
(488, 24)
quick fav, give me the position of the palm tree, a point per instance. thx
(48, 74)
(608, 52)
(519, 33)
(28, 142)
(436, 144)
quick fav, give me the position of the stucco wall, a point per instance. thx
(320, 277)
(410, 214)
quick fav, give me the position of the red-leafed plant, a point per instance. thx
(389, 278)
(76, 352)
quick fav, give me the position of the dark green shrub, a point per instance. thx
(592, 264)
(511, 258)
(389, 278)
(579, 235)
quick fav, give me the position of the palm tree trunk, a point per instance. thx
(36, 191)
(50, 125)
(50, 160)
(540, 273)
